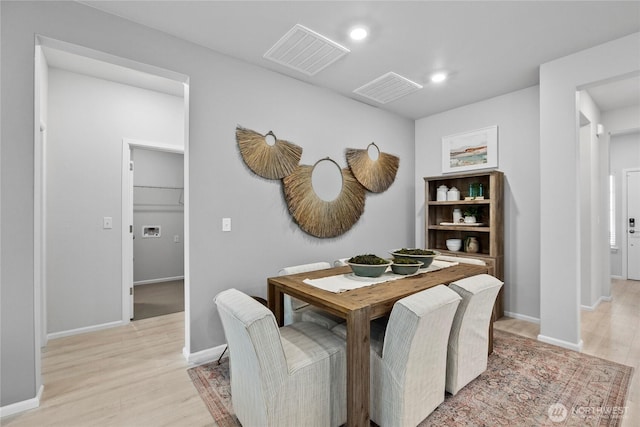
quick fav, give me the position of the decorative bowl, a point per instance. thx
(425, 256)
(454, 245)
(405, 268)
(368, 270)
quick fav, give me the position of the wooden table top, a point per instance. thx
(379, 297)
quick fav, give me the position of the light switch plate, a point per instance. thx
(107, 222)
(226, 224)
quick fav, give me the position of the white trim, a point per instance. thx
(615, 276)
(561, 343)
(204, 356)
(522, 317)
(607, 299)
(86, 329)
(22, 406)
(187, 238)
(162, 279)
(594, 306)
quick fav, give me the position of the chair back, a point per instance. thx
(463, 260)
(292, 304)
(414, 355)
(469, 340)
(258, 364)
(304, 268)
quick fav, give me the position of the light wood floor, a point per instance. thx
(135, 375)
(611, 331)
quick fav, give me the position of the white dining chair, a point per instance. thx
(408, 358)
(469, 339)
(294, 375)
(296, 310)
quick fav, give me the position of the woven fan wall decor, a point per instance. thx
(269, 161)
(318, 217)
(375, 175)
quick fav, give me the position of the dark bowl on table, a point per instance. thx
(425, 256)
(405, 268)
(368, 270)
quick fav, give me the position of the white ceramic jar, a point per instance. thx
(441, 195)
(457, 215)
(453, 194)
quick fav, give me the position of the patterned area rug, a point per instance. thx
(526, 383)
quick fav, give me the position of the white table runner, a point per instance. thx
(349, 281)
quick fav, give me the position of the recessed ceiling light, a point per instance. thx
(358, 33)
(438, 77)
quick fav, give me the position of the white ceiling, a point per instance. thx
(488, 47)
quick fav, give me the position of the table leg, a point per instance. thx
(358, 367)
(275, 301)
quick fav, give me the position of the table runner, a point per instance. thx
(349, 281)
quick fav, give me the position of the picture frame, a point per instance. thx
(477, 149)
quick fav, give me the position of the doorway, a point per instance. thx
(631, 219)
(81, 246)
(153, 236)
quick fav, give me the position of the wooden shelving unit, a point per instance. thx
(490, 234)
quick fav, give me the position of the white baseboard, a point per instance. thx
(607, 299)
(616, 277)
(25, 405)
(162, 279)
(204, 356)
(593, 307)
(85, 329)
(522, 317)
(561, 343)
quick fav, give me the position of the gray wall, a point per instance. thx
(223, 93)
(517, 117)
(88, 118)
(560, 264)
(160, 257)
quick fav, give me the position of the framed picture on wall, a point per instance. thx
(472, 150)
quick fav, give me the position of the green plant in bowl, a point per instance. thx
(368, 265)
(405, 266)
(425, 256)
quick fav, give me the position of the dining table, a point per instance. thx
(359, 307)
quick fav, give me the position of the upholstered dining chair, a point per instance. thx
(408, 359)
(467, 354)
(299, 311)
(294, 375)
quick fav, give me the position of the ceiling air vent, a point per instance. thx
(305, 50)
(387, 88)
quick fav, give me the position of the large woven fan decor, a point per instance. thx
(269, 161)
(318, 217)
(375, 175)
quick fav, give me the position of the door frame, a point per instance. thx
(624, 238)
(127, 213)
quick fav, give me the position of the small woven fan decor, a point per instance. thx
(318, 217)
(269, 161)
(376, 175)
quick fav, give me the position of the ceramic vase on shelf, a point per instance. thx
(441, 194)
(472, 245)
(457, 216)
(453, 194)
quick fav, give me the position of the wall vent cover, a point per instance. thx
(387, 88)
(305, 50)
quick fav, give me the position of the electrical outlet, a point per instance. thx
(226, 224)
(176, 239)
